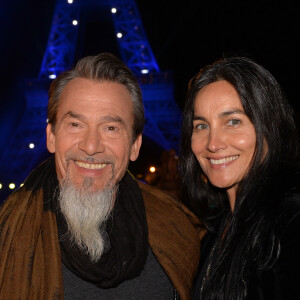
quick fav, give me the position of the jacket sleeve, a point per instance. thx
(282, 281)
(287, 268)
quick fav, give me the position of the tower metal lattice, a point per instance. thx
(162, 114)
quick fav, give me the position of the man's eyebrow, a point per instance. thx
(115, 119)
(71, 114)
(107, 118)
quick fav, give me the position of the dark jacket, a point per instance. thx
(281, 282)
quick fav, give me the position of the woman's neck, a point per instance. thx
(231, 192)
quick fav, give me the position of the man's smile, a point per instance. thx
(90, 166)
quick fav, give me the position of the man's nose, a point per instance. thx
(91, 143)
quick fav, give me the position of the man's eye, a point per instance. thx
(73, 124)
(111, 128)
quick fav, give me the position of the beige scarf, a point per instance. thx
(30, 262)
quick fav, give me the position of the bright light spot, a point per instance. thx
(145, 71)
(113, 10)
(119, 35)
(70, 1)
(0, 186)
(52, 76)
(21, 184)
(75, 22)
(12, 186)
(152, 169)
(31, 145)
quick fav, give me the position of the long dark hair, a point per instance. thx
(250, 241)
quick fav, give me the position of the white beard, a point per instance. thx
(86, 212)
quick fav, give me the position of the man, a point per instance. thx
(82, 227)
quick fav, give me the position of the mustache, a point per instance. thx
(88, 182)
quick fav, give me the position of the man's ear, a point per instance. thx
(50, 139)
(135, 148)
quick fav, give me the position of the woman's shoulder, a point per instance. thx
(290, 205)
(289, 217)
(286, 269)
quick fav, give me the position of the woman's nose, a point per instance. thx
(216, 140)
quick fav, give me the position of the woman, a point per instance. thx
(240, 170)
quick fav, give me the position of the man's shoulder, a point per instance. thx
(174, 235)
(155, 196)
(155, 192)
(160, 205)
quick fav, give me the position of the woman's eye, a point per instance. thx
(201, 126)
(234, 122)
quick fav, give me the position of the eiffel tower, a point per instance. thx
(27, 146)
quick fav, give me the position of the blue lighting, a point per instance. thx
(162, 114)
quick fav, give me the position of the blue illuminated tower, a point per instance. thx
(27, 146)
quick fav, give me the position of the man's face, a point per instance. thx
(92, 139)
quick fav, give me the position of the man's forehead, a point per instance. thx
(97, 95)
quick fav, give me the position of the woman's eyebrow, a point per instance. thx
(232, 111)
(198, 118)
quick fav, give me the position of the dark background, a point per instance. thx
(184, 37)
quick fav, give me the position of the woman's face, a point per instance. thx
(223, 138)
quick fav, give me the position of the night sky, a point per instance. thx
(184, 37)
(188, 35)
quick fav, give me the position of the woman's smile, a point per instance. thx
(223, 138)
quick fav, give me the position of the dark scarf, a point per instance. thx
(127, 234)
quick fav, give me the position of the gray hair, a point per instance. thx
(102, 67)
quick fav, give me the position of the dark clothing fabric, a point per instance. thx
(152, 284)
(30, 251)
(281, 282)
(128, 239)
